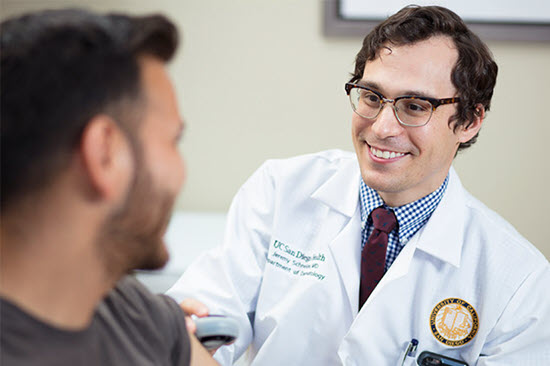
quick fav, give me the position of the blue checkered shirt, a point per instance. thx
(410, 217)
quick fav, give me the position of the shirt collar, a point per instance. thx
(410, 217)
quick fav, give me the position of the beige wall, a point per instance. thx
(257, 79)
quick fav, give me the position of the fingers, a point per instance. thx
(194, 307)
(190, 324)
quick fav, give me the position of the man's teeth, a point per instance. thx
(385, 154)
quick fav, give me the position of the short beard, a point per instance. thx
(132, 236)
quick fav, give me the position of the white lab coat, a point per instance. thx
(288, 271)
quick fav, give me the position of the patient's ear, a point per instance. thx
(106, 158)
(465, 134)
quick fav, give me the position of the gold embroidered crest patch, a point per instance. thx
(454, 322)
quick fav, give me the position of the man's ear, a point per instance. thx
(465, 134)
(106, 158)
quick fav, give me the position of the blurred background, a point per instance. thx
(257, 79)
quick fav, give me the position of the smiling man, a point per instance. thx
(90, 172)
(340, 258)
(408, 160)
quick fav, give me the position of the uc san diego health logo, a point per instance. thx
(454, 322)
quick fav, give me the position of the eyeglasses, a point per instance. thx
(409, 110)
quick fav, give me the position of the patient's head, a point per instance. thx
(86, 99)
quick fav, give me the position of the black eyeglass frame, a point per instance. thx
(433, 101)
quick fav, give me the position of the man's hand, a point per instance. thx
(193, 307)
(197, 308)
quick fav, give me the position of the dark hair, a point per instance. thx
(474, 75)
(59, 69)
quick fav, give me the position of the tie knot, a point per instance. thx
(383, 219)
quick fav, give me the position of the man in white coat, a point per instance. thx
(457, 280)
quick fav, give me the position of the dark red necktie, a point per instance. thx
(373, 256)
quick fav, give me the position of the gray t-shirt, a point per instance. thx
(130, 327)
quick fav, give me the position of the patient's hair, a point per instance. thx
(59, 69)
(474, 75)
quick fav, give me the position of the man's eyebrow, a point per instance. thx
(418, 93)
(376, 86)
(370, 84)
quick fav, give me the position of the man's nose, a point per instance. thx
(386, 124)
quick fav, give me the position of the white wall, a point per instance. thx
(257, 80)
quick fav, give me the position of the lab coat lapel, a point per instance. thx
(341, 193)
(443, 234)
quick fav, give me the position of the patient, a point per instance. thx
(90, 169)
